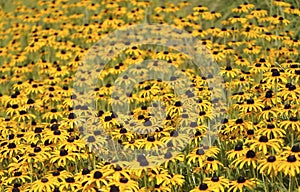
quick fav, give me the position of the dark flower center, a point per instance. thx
(118, 168)
(97, 175)
(168, 155)
(250, 132)
(72, 116)
(287, 106)
(114, 188)
(174, 133)
(55, 173)
(269, 94)
(150, 138)
(294, 119)
(238, 147)
(123, 130)
(185, 115)
(228, 68)
(292, 87)
(193, 124)
(178, 104)
(91, 139)
(291, 158)
(250, 154)
(271, 159)
(198, 133)
(224, 121)
(250, 101)
(70, 180)
(70, 139)
(123, 180)
(200, 152)
(11, 146)
(266, 108)
(23, 112)
(17, 174)
(296, 149)
(241, 180)
(44, 180)
(275, 73)
(147, 123)
(142, 160)
(215, 179)
(37, 149)
(239, 121)
(30, 101)
(107, 118)
(203, 186)
(144, 163)
(63, 152)
(85, 171)
(263, 139)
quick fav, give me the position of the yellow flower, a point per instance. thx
(43, 184)
(289, 165)
(269, 165)
(242, 183)
(265, 145)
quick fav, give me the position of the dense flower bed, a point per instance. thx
(240, 124)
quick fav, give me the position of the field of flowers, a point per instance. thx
(159, 95)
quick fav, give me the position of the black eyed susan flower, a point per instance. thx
(93, 141)
(175, 180)
(151, 143)
(56, 135)
(291, 124)
(211, 165)
(251, 105)
(18, 177)
(158, 188)
(69, 184)
(202, 187)
(265, 145)
(72, 144)
(62, 157)
(239, 150)
(269, 165)
(289, 165)
(242, 183)
(218, 184)
(290, 92)
(58, 175)
(125, 184)
(271, 130)
(120, 172)
(268, 113)
(250, 159)
(52, 114)
(97, 178)
(37, 154)
(11, 149)
(44, 184)
(171, 158)
(199, 155)
(294, 150)
(23, 116)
